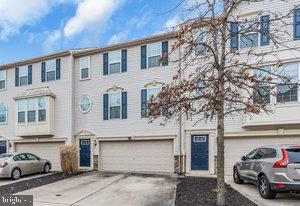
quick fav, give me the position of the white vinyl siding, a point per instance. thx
(3, 80)
(84, 68)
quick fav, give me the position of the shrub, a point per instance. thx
(69, 159)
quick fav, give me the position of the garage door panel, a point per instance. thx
(49, 150)
(153, 156)
(237, 147)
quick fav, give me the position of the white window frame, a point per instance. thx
(23, 68)
(114, 62)
(152, 87)
(148, 55)
(79, 105)
(3, 72)
(82, 67)
(6, 113)
(48, 70)
(249, 19)
(36, 111)
(109, 104)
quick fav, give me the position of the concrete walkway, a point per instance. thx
(251, 192)
(98, 188)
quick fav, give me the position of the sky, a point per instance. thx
(30, 28)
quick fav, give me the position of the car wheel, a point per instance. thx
(236, 176)
(16, 174)
(47, 168)
(265, 188)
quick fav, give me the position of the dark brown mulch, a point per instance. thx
(27, 184)
(201, 191)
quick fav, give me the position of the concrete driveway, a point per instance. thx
(251, 192)
(100, 188)
(6, 181)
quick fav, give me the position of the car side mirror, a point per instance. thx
(243, 158)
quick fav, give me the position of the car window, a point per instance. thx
(32, 157)
(267, 152)
(251, 154)
(20, 157)
(294, 155)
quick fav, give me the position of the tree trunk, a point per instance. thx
(220, 157)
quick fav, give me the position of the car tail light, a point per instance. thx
(3, 164)
(279, 185)
(283, 162)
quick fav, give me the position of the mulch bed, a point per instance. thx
(27, 184)
(201, 191)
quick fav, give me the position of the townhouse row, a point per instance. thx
(97, 99)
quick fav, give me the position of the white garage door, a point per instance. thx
(235, 148)
(49, 150)
(141, 156)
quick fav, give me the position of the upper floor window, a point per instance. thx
(85, 104)
(3, 114)
(146, 95)
(154, 55)
(32, 110)
(50, 70)
(250, 33)
(23, 76)
(288, 92)
(84, 67)
(115, 62)
(297, 24)
(115, 105)
(200, 48)
(263, 92)
(3, 80)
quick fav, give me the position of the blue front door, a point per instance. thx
(2, 147)
(199, 152)
(85, 152)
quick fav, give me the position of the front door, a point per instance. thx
(85, 152)
(199, 152)
(3, 148)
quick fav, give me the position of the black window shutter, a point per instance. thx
(29, 74)
(144, 57)
(124, 105)
(124, 60)
(57, 69)
(165, 51)
(105, 106)
(105, 64)
(17, 83)
(265, 30)
(234, 38)
(43, 71)
(144, 103)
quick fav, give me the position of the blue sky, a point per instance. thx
(31, 28)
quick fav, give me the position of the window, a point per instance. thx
(287, 92)
(50, 70)
(200, 88)
(263, 91)
(3, 114)
(42, 109)
(154, 54)
(35, 108)
(200, 49)
(84, 68)
(153, 92)
(85, 104)
(251, 154)
(249, 33)
(31, 108)
(20, 157)
(294, 155)
(114, 105)
(2, 80)
(267, 153)
(23, 76)
(21, 111)
(297, 24)
(31, 157)
(114, 62)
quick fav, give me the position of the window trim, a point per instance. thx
(89, 68)
(6, 114)
(5, 79)
(153, 87)
(253, 32)
(294, 26)
(79, 105)
(120, 61)
(158, 43)
(120, 95)
(266, 85)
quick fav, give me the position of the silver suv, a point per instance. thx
(272, 168)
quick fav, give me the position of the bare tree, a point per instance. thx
(224, 72)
